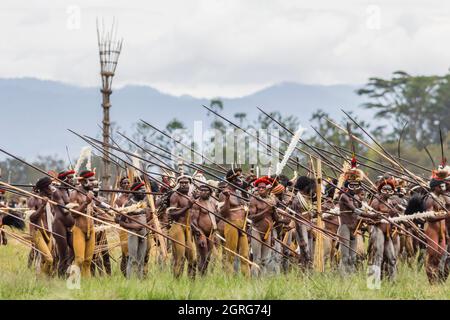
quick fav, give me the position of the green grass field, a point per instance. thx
(18, 282)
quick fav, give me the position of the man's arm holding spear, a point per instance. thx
(37, 214)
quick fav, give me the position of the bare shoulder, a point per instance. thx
(56, 194)
(195, 207)
(375, 203)
(32, 202)
(174, 197)
(343, 197)
(447, 199)
(253, 201)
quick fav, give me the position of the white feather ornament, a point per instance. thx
(295, 138)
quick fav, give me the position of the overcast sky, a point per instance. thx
(226, 48)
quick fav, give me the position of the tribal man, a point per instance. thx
(302, 205)
(121, 200)
(381, 242)
(331, 221)
(136, 208)
(180, 214)
(204, 223)
(3, 239)
(284, 228)
(234, 211)
(67, 177)
(63, 224)
(43, 217)
(101, 260)
(435, 228)
(262, 214)
(350, 211)
(83, 230)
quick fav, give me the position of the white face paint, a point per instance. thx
(354, 186)
(387, 190)
(443, 186)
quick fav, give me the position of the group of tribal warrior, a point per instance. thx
(253, 225)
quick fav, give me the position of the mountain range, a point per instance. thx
(36, 114)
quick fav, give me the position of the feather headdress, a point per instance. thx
(295, 138)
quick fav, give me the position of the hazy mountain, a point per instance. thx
(36, 113)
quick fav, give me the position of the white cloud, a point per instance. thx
(227, 47)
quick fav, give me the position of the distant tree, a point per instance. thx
(241, 117)
(418, 100)
(217, 106)
(17, 172)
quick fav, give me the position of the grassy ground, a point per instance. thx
(18, 282)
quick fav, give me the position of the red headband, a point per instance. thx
(65, 174)
(140, 185)
(264, 180)
(88, 175)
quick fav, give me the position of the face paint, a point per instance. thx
(387, 190)
(443, 186)
(354, 186)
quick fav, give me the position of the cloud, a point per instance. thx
(226, 47)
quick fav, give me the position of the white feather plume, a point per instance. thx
(136, 161)
(85, 156)
(295, 138)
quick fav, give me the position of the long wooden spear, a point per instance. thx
(94, 198)
(305, 221)
(397, 225)
(183, 195)
(66, 208)
(31, 223)
(184, 145)
(22, 240)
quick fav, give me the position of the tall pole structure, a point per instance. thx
(109, 50)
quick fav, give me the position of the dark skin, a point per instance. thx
(381, 205)
(123, 198)
(63, 221)
(37, 217)
(200, 217)
(282, 200)
(298, 207)
(65, 193)
(347, 206)
(436, 231)
(436, 225)
(2, 234)
(261, 213)
(131, 225)
(181, 202)
(332, 222)
(83, 202)
(232, 208)
(203, 226)
(432, 205)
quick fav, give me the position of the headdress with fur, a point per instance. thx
(386, 181)
(266, 180)
(354, 174)
(442, 173)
